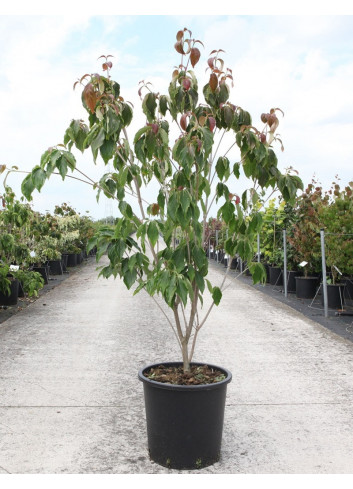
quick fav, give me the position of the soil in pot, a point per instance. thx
(185, 422)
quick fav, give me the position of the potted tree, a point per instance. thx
(271, 241)
(305, 241)
(336, 215)
(158, 245)
(16, 277)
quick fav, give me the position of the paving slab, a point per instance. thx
(71, 403)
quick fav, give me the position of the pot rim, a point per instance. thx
(161, 385)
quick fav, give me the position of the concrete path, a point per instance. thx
(70, 400)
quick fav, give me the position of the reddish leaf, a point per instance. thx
(186, 83)
(237, 199)
(212, 123)
(107, 65)
(183, 122)
(202, 120)
(90, 97)
(210, 62)
(179, 47)
(180, 35)
(263, 138)
(194, 56)
(213, 82)
(155, 128)
(155, 209)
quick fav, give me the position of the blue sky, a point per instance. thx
(302, 64)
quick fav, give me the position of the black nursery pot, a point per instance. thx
(71, 260)
(335, 296)
(12, 299)
(184, 422)
(55, 267)
(44, 271)
(276, 277)
(306, 287)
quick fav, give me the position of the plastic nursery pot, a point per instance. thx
(55, 267)
(71, 260)
(184, 422)
(44, 271)
(306, 287)
(12, 299)
(335, 296)
(276, 277)
(291, 282)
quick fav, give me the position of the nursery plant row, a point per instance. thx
(302, 246)
(34, 246)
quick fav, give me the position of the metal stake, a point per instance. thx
(324, 282)
(285, 263)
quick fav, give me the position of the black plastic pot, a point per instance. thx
(291, 282)
(55, 267)
(71, 259)
(44, 271)
(335, 296)
(234, 264)
(306, 287)
(267, 269)
(184, 423)
(348, 291)
(276, 277)
(12, 299)
(64, 258)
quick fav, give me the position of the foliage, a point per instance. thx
(336, 215)
(305, 233)
(5, 279)
(31, 281)
(158, 246)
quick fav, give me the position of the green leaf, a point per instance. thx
(163, 104)
(258, 272)
(38, 178)
(216, 295)
(149, 105)
(61, 165)
(185, 200)
(97, 142)
(27, 187)
(236, 170)
(178, 258)
(129, 278)
(107, 150)
(153, 232)
(127, 114)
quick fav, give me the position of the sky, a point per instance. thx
(302, 64)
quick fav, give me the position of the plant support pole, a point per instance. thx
(217, 244)
(285, 262)
(324, 282)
